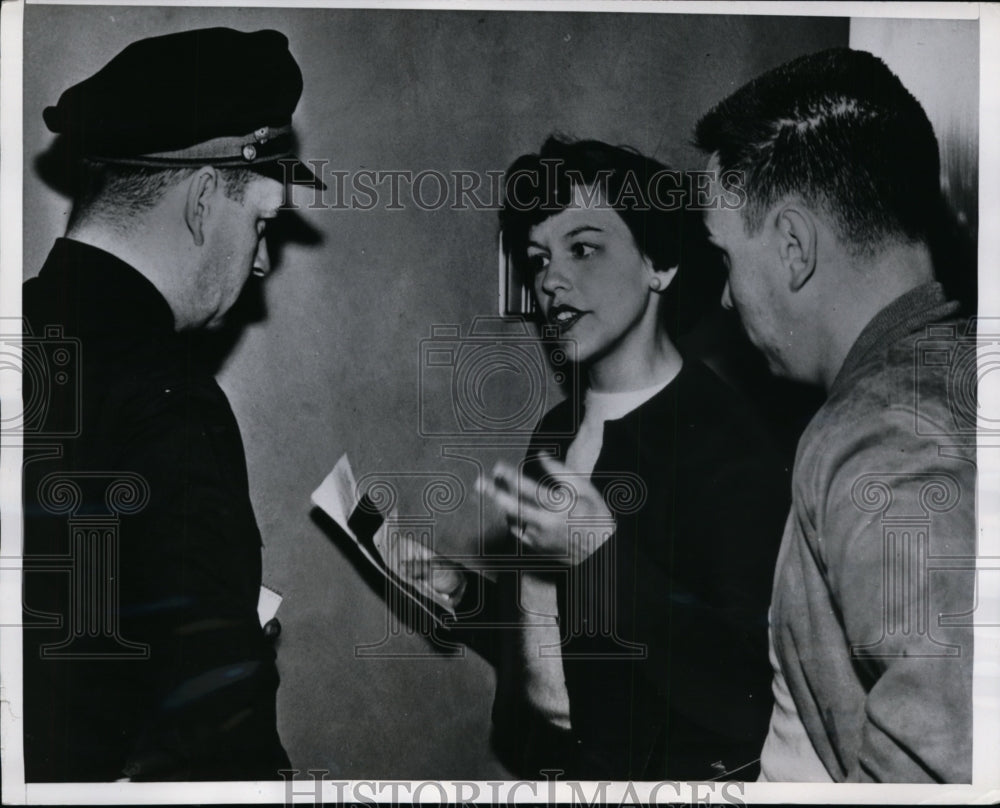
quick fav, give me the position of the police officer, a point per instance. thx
(144, 657)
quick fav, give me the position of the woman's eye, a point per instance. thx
(537, 261)
(582, 250)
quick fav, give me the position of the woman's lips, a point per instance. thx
(564, 317)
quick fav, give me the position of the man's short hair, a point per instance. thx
(839, 129)
(120, 194)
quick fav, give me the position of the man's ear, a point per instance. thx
(797, 244)
(198, 205)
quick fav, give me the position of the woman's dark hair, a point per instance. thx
(646, 194)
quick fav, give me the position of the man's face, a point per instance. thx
(235, 245)
(753, 284)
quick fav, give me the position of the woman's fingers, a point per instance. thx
(580, 484)
(417, 563)
(513, 493)
(503, 499)
(519, 498)
(412, 559)
(552, 467)
(445, 580)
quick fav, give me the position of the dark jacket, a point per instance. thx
(141, 544)
(679, 687)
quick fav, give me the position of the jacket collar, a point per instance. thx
(564, 419)
(906, 314)
(100, 293)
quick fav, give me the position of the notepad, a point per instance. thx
(337, 496)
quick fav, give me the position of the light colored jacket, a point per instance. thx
(874, 584)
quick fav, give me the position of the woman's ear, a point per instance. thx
(662, 278)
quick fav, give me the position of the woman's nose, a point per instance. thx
(555, 277)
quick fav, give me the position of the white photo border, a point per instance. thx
(986, 778)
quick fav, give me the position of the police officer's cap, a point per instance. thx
(213, 96)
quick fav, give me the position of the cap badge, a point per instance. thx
(249, 152)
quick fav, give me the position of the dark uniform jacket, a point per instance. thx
(143, 655)
(665, 626)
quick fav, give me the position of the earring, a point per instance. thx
(655, 283)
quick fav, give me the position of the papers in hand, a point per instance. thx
(407, 564)
(267, 604)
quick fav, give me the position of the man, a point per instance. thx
(830, 270)
(144, 657)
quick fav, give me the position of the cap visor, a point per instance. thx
(290, 171)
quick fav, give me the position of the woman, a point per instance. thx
(647, 515)
(661, 567)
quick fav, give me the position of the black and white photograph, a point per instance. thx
(484, 402)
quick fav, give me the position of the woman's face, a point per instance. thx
(592, 282)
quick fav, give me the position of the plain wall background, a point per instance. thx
(334, 366)
(938, 61)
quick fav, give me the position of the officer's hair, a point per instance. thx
(840, 130)
(119, 194)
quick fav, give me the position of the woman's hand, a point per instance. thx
(538, 511)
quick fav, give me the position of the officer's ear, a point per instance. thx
(198, 205)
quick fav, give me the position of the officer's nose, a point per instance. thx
(727, 297)
(262, 260)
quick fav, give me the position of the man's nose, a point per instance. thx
(262, 260)
(727, 297)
